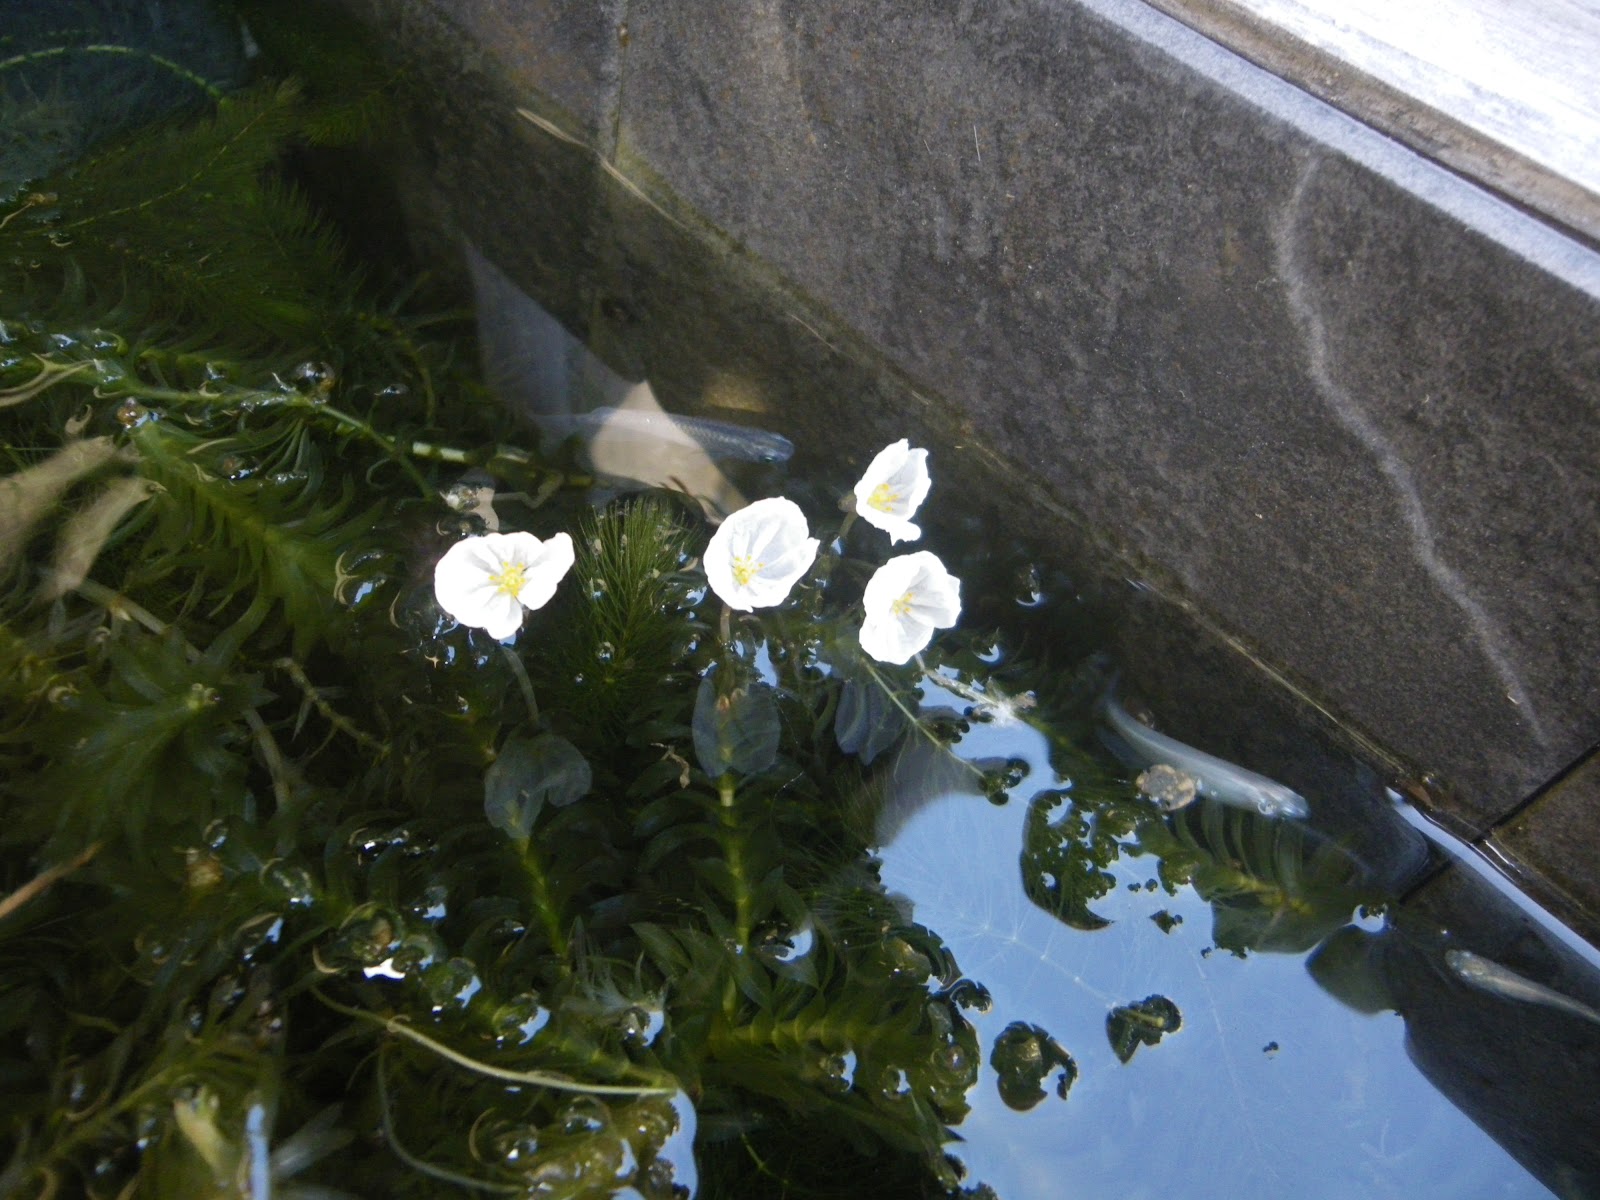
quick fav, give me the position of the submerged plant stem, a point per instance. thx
(733, 851)
(42, 882)
(417, 1164)
(524, 683)
(177, 69)
(399, 1027)
(544, 901)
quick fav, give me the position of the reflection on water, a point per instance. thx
(1271, 1086)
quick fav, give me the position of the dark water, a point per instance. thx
(859, 954)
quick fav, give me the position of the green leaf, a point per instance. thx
(737, 732)
(1022, 1056)
(1143, 1023)
(867, 722)
(528, 774)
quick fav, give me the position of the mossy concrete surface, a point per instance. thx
(1338, 402)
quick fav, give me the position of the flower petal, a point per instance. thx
(894, 640)
(545, 567)
(906, 599)
(471, 577)
(756, 556)
(892, 488)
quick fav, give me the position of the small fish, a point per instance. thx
(1215, 779)
(559, 385)
(1489, 976)
(719, 439)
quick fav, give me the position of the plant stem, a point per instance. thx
(524, 683)
(34, 56)
(544, 899)
(733, 852)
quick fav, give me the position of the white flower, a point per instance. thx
(906, 600)
(487, 581)
(895, 484)
(758, 553)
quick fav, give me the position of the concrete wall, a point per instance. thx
(1339, 401)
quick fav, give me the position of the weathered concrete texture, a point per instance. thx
(544, 54)
(1321, 384)
(1553, 842)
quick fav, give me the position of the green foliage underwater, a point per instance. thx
(307, 889)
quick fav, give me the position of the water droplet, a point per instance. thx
(235, 466)
(783, 948)
(639, 1025)
(293, 883)
(605, 652)
(317, 379)
(1030, 587)
(585, 1114)
(969, 993)
(516, 1144)
(838, 1072)
(431, 905)
(257, 933)
(368, 937)
(131, 414)
(906, 961)
(451, 984)
(417, 952)
(597, 589)
(517, 1020)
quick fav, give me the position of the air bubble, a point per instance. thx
(292, 883)
(316, 379)
(131, 414)
(417, 952)
(451, 984)
(431, 905)
(583, 1115)
(518, 1020)
(368, 936)
(1030, 587)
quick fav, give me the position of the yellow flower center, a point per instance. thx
(509, 580)
(902, 606)
(883, 497)
(744, 569)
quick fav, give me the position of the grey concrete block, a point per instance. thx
(563, 58)
(1553, 841)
